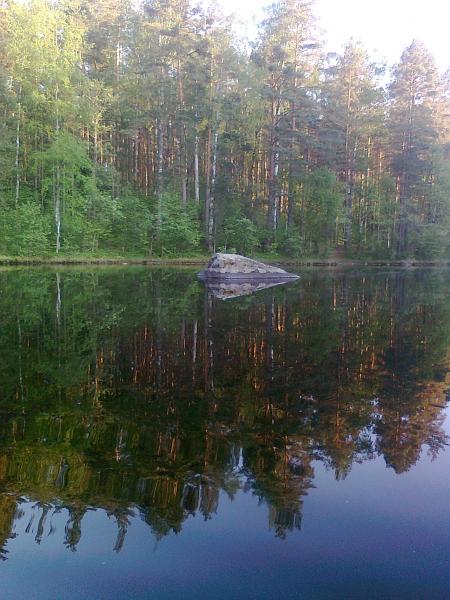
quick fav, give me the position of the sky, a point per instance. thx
(385, 27)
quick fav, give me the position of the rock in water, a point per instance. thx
(228, 267)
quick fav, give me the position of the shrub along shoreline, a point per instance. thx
(201, 260)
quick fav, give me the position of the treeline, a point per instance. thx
(152, 129)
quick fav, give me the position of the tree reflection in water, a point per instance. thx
(138, 393)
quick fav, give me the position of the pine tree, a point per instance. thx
(414, 134)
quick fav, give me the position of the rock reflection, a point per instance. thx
(226, 290)
(152, 405)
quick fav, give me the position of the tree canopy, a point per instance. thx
(151, 129)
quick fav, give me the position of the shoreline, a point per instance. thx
(201, 261)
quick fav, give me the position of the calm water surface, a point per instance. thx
(159, 442)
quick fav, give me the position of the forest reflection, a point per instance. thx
(138, 394)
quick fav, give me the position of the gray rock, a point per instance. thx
(236, 267)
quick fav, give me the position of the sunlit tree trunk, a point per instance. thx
(196, 171)
(211, 208)
(160, 170)
(19, 118)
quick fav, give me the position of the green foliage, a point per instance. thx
(174, 231)
(290, 243)
(240, 234)
(24, 231)
(432, 242)
(321, 205)
(130, 225)
(374, 235)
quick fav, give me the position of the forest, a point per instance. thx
(154, 129)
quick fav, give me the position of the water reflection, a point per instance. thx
(138, 393)
(226, 290)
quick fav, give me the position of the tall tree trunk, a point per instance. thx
(293, 109)
(274, 161)
(291, 197)
(211, 219)
(348, 207)
(208, 181)
(58, 207)
(183, 140)
(19, 117)
(118, 53)
(94, 169)
(160, 169)
(196, 171)
(57, 182)
(350, 151)
(273, 188)
(184, 168)
(404, 183)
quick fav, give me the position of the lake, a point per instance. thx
(157, 441)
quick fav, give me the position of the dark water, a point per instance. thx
(156, 442)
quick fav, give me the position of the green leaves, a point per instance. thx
(24, 231)
(320, 199)
(175, 232)
(240, 234)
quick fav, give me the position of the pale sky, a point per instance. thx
(385, 27)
